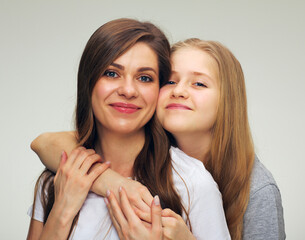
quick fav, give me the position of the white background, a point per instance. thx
(40, 47)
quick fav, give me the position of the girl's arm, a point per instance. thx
(49, 146)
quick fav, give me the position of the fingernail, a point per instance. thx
(106, 201)
(120, 189)
(108, 193)
(156, 200)
(107, 162)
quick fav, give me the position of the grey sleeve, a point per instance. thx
(264, 215)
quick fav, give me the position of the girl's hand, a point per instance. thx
(74, 179)
(139, 198)
(174, 226)
(128, 224)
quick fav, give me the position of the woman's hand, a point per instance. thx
(174, 226)
(128, 224)
(74, 178)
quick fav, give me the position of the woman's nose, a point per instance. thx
(128, 88)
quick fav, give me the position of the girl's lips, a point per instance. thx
(125, 107)
(177, 106)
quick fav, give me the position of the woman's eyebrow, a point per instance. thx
(119, 66)
(143, 69)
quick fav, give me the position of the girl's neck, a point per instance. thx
(120, 150)
(196, 146)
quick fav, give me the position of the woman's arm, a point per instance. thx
(72, 183)
(49, 146)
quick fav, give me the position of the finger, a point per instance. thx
(81, 157)
(145, 216)
(141, 204)
(97, 170)
(147, 198)
(170, 213)
(146, 224)
(116, 209)
(63, 158)
(71, 159)
(127, 209)
(88, 162)
(114, 221)
(156, 216)
(168, 222)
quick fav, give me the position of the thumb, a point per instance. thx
(63, 158)
(156, 211)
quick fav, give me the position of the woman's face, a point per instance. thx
(188, 102)
(124, 98)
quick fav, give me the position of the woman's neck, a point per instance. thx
(194, 145)
(120, 150)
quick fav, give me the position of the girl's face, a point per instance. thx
(188, 102)
(124, 98)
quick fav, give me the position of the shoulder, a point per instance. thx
(200, 196)
(261, 177)
(191, 171)
(264, 214)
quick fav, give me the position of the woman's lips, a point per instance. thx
(125, 107)
(177, 106)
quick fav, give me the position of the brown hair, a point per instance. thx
(231, 156)
(152, 166)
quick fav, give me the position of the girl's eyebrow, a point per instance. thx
(195, 73)
(200, 74)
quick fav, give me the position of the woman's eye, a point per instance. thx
(199, 84)
(145, 79)
(111, 74)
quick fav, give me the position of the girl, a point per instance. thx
(120, 71)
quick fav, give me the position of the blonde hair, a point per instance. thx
(231, 156)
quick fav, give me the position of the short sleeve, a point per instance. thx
(264, 216)
(38, 208)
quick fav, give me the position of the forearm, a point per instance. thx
(108, 180)
(58, 224)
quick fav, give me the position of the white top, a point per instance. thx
(195, 185)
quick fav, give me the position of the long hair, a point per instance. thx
(231, 156)
(152, 166)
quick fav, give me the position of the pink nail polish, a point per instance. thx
(120, 189)
(106, 201)
(156, 200)
(108, 193)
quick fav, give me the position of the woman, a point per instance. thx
(204, 109)
(118, 84)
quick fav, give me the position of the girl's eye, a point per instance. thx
(111, 74)
(199, 84)
(145, 79)
(170, 82)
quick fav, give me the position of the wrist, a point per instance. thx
(62, 215)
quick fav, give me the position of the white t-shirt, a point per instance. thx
(199, 193)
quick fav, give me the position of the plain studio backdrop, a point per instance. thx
(41, 45)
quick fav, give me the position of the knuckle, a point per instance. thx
(142, 189)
